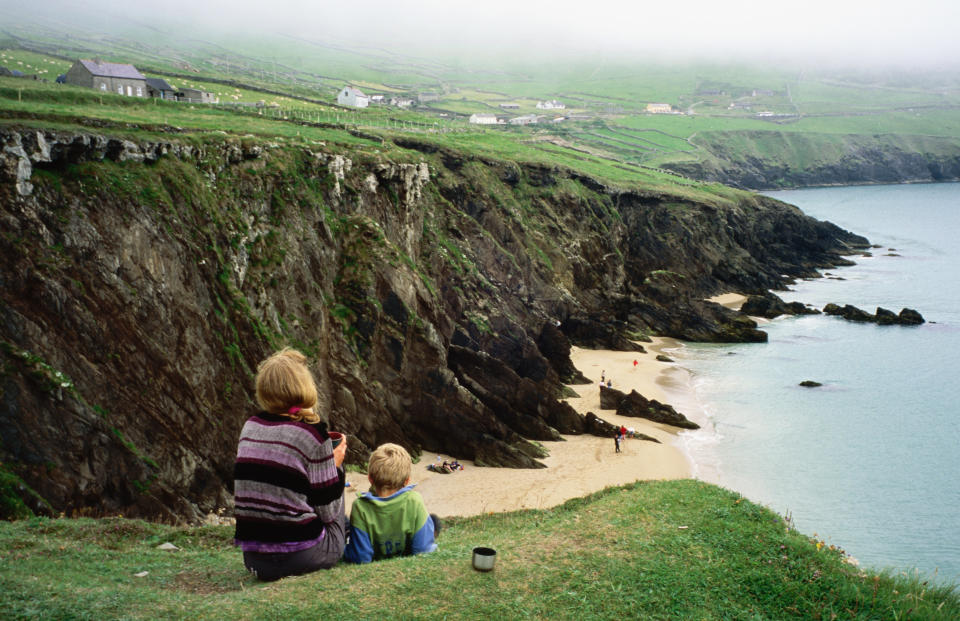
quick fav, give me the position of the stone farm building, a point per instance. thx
(354, 97)
(108, 77)
(195, 95)
(158, 87)
(526, 119)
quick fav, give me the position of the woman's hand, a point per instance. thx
(340, 452)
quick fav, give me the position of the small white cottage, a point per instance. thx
(553, 104)
(483, 119)
(354, 97)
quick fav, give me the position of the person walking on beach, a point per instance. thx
(616, 439)
(635, 363)
(603, 376)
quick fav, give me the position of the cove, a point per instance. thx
(867, 461)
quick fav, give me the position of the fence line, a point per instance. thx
(345, 119)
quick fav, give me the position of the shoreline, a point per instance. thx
(580, 464)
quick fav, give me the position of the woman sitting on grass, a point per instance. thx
(288, 479)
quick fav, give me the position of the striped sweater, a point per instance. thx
(286, 485)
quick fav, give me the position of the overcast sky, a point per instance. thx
(905, 33)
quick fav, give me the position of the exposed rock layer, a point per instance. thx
(141, 283)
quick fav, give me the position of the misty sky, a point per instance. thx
(910, 33)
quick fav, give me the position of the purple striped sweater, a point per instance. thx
(286, 485)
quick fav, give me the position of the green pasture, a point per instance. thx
(655, 550)
(30, 63)
(611, 90)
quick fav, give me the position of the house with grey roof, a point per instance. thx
(159, 88)
(116, 78)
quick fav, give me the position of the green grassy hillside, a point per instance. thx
(606, 99)
(662, 550)
(40, 104)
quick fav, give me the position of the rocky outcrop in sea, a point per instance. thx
(883, 317)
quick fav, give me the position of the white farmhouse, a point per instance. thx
(659, 108)
(483, 119)
(354, 97)
(553, 104)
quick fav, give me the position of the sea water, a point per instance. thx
(868, 461)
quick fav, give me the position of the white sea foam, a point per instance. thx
(698, 445)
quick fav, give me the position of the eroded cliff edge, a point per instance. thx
(437, 292)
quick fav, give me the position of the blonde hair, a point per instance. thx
(285, 386)
(389, 467)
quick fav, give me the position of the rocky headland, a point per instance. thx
(437, 293)
(788, 159)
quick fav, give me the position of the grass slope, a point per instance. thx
(656, 550)
(606, 93)
(44, 105)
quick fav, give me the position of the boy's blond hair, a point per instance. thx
(285, 386)
(389, 467)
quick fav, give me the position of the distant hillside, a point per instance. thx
(773, 159)
(735, 123)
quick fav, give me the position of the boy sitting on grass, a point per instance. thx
(392, 520)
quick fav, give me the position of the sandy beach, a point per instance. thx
(730, 300)
(577, 466)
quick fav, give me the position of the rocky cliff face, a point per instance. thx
(436, 293)
(767, 160)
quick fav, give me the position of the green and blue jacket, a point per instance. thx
(397, 525)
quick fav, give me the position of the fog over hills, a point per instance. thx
(850, 33)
